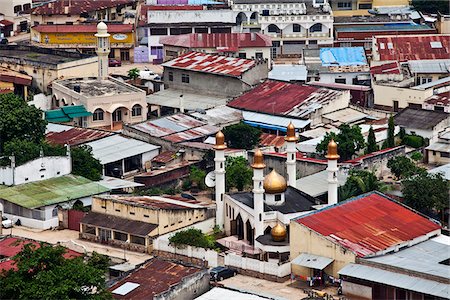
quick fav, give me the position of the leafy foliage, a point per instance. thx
(415, 141)
(349, 139)
(242, 136)
(133, 73)
(197, 177)
(24, 151)
(371, 142)
(360, 182)
(43, 273)
(390, 141)
(432, 6)
(192, 237)
(157, 191)
(402, 167)
(84, 164)
(19, 121)
(239, 174)
(417, 156)
(426, 192)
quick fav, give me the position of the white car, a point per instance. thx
(148, 75)
(6, 223)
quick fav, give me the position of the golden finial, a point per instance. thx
(278, 233)
(258, 160)
(332, 151)
(220, 141)
(274, 183)
(290, 134)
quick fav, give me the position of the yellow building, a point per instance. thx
(81, 37)
(133, 222)
(348, 8)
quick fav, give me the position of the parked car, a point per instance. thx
(6, 223)
(148, 74)
(221, 273)
(113, 62)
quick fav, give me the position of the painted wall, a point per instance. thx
(384, 96)
(435, 157)
(189, 288)
(79, 38)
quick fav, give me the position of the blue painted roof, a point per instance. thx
(343, 56)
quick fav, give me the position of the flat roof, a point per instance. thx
(384, 27)
(317, 183)
(95, 87)
(191, 101)
(78, 28)
(76, 7)
(288, 72)
(444, 170)
(219, 293)
(220, 115)
(343, 56)
(420, 118)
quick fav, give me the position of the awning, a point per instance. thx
(120, 224)
(56, 116)
(312, 261)
(76, 111)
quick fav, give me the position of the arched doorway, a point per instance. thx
(240, 227)
(272, 28)
(241, 18)
(117, 115)
(254, 17)
(249, 232)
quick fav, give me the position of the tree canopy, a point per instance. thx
(43, 273)
(360, 182)
(371, 142)
(403, 167)
(432, 6)
(192, 237)
(197, 177)
(133, 73)
(20, 121)
(390, 141)
(84, 164)
(349, 139)
(242, 136)
(238, 173)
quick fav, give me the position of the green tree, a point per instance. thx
(417, 156)
(43, 273)
(84, 164)
(349, 139)
(133, 73)
(371, 142)
(192, 237)
(24, 151)
(242, 136)
(360, 182)
(402, 167)
(426, 192)
(433, 6)
(238, 173)
(19, 121)
(197, 177)
(390, 141)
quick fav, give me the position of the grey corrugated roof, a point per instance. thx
(288, 72)
(419, 118)
(431, 84)
(317, 183)
(312, 261)
(441, 66)
(445, 170)
(192, 101)
(438, 146)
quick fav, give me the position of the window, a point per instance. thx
(242, 55)
(98, 114)
(125, 55)
(273, 28)
(158, 31)
(170, 76)
(132, 213)
(316, 28)
(296, 28)
(120, 236)
(347, 5)
(146, 216)
(185, 78)
(69, 23)
(445, 154)
(439, 108)
(17, 8)
(365, 6)
(278, 197)
(136, 110)
(49, 23)
(27, 6)
(340, 80)
(55, 211)
(259, 55)
(137, 240)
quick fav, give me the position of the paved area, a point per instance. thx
(19, 38)
(264, 287)
(69, 238)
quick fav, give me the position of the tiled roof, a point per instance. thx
(76, 28)
(208, 63)
(76, 136)
(76, 7)
(222, 41)
(404, 48)
(368, 224)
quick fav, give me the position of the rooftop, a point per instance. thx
(341, 86)
(153, 278)
(75, 135)
(419, 118)
(343, 56)
(317, 183)
(282, 98)
(442, 99)
(431, 66)
(444, 170)
(385, 27)
(76, 7)
(288, 73)
(347, 115)
(191, 101)
(221, 41)
(218, 116)
(221, 293)
(94, 87)
(51, 191)
(209, 63)
(121, 224)
(7, 75)
(268, 139)
(156, 202)
(165, 157)
(368, 224)
(387, 68)
(79, 28)
(268, 121)
(412, 47)
(66, 113)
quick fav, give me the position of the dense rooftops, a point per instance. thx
(76, 7)
(156, 202)
(221, 41)
(420, 118)
(78, 28)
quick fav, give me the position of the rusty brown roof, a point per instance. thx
(76, 136)
(119, 224)
(268, 139)
(76, 7)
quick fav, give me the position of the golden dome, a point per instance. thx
(258, 160)
(274, 183)
(332, 151)
(220, 141)
(290, 134)
(278, 233)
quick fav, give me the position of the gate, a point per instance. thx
(75, 217)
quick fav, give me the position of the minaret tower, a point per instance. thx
(291, 160)
(332, 169)
(258, 192)
(219, 171)
(103, 49)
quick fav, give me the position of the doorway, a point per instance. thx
(104, 234)
(117, 115)
(240, 227)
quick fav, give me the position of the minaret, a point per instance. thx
(219, 171)
(332, 169)
(291, 160)
(103, 50)
(258, 192)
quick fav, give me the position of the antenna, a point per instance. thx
(210, 179)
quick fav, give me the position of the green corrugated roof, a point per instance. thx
(51, 191)
(76, 111)
(56, 115)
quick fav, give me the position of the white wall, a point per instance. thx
(330, 77)
(200, 16)
(358, 290)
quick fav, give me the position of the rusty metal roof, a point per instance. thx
(155, 202)
(387, 68)
(76, 7)
(192, 134)
(368, 223)
(268, 139)
(155, 277)
(165, 157)
(76, 136)
(120, 224)
(210, 63)
(77, 28)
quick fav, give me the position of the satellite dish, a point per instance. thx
(210, 179)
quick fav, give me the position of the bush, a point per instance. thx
(415, 141)
(417, 156)
(192, 237)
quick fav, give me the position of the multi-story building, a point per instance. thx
(292, 25)
(15, 16)
(362, 7)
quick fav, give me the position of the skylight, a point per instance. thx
(126, 288)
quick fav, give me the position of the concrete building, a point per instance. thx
(443, 24)
(440, 102)
(16, 17)
(14, 82)
(438, 153)
(362, 7)
(292, 25)
(46, 65)
(132, 222)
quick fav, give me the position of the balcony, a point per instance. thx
(319, 34)
(252, 24)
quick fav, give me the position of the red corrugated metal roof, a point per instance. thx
(165, 157)
(92, 28)
(268, 139)
(439, 99)
(389, 68)
(404, 48)
(76, 7)
(153, 202)
(155, 277)
(220, 41)
(209, 63)
(368, 224)
(6, 22)
(76, 136)
(9, 247)
(8, 265)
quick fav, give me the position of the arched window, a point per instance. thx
(273, 28)
(316, 28)
(136, 110)
(98, 114)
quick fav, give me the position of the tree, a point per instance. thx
(371, 142)
(192, 237)
(84, 164)
(24, 151)
(433, 7)
(238, 173)
(242, 136)
(197, 177)
(402, 167)
(390, 141)
(43, 273)
(20, 121)
(349, 139)
(426, 192)
(133, 73)
(417, 156)
(360, 182)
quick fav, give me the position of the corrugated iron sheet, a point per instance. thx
(76, 7)
(76, 136)
(168, 125)
(268, 139)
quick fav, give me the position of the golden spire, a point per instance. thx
(290, 134)
(332, 151)
(274, 183)
(278, 233)
(220, 141)
(258, 160)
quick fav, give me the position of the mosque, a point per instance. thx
(257, 222)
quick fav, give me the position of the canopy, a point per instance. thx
(312, 261)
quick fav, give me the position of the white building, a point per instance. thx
(16, 16)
